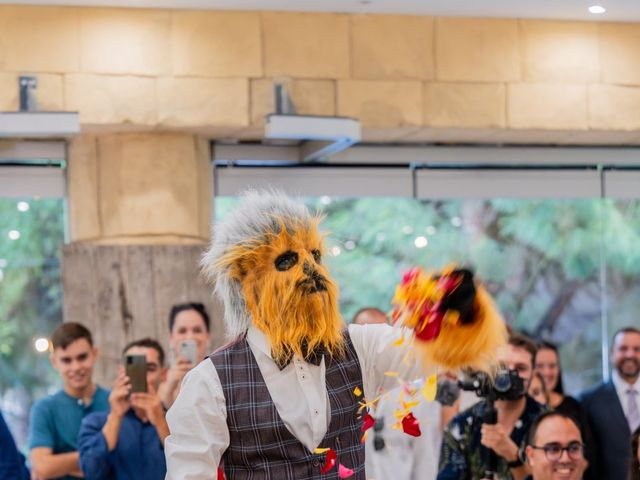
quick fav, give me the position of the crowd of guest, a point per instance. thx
(540, 433)
(533, 430)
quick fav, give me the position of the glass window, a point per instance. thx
(539, 258)
(31, 234)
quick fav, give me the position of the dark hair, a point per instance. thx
(544, 345)
(542, 386)
(67, 333)
(521, 341)
(533, 430)
(146, 343)
(634, 464)
(181, 307)
(623, 330)
(367, 309)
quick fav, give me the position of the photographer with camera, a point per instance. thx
(128, 442)
(484, 441)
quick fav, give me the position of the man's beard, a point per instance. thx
(628, 373)
(298, 317)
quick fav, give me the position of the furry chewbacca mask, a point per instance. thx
(266, 262)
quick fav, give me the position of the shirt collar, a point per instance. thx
(623, 387)
(258, 341)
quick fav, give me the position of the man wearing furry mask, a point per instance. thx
(289, 382)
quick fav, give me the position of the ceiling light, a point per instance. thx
(41, 345)
(23, 206)
(456, 221)
(407, 229)
(349, 244)
(14, 234)
(325, 200)
(421, 242)
(335, 251)
(596, 9)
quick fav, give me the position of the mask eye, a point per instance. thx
(317, 256)
(285, 261)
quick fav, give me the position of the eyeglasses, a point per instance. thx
(553, 451)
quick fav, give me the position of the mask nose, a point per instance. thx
(306, 268)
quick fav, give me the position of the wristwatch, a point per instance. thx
(516, 463)
(519, 461)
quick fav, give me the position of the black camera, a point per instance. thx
(506, 385)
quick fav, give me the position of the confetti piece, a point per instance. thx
(369, 422)
(221, 474)
(364, 437)
(398, 342)
(344, 472)
(329, 461)
(321, 450)
(429, 388)
(409, 405)
(411, 426)
(392, 374)
(357, 392)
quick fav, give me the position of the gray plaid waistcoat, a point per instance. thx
(260, 445)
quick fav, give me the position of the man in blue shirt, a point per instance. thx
(11, 461)
(128, 442)
(55, 420)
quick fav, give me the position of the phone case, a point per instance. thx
(136, 370)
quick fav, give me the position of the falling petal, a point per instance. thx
(329, 461)
(344, 472)
(429, 388)
(369, 422)
(411, 426)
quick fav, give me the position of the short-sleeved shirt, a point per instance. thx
(55, 420)
(461, 456)
(138, 455)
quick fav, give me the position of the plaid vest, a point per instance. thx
(260, 445)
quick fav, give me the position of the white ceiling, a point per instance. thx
(617, 10)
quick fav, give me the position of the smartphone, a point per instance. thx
(189, 350)
(136, 370)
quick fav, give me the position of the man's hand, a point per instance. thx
(497, 439)
(119, 397)
(149, 403)
(152, 407)
(118, 405)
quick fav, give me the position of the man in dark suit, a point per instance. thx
(613, 407)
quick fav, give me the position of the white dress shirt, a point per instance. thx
(622, 388)
(198, 418)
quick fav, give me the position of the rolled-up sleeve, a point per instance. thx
(94, 452)
(374, 345)
(198, 426)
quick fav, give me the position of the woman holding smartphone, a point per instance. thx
(189, 342)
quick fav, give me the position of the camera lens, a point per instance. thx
(502, 382)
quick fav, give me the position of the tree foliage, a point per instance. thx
(30, 290)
